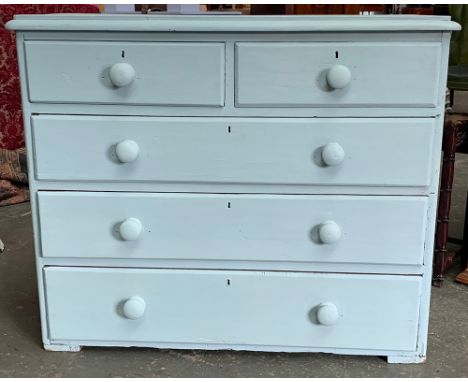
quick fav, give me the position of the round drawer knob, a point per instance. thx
(127, 151)
(130, 229)
(329, 232)
(327, 314)
(333, 154)
(134, 308)
(338, 77)
(121, 74)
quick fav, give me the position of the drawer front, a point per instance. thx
(327, 229)
(175, 307)
(337, 74)
(170, 74)
(290, 152)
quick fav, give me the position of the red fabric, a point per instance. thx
(11, 120)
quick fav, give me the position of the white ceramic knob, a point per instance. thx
(127, 151)
(130, 229)
(329, 232)
(134, 308)
(338, 77)
(121, 74)
(333, 154)
(327, 314)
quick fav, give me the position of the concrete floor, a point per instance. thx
(21, 353)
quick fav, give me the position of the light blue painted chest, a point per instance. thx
(227, 182)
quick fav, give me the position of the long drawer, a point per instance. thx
(122, 72)
(278, 151)
(232, 309)
(348, 74)
(328, 229)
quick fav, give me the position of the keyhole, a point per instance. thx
(123, 53)
(336, 54)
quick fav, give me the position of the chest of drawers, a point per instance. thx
(246, 183)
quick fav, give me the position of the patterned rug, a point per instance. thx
(13, 176)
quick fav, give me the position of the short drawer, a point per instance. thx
(352, 74)
(260, 228)
(242, 151)
(234, 309)
(145, 73)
